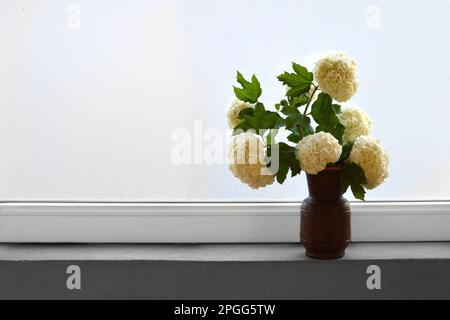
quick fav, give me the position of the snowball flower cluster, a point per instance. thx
(356, 123)
(246, 160)
(336, 75)
(316, 151)
(373, 160)
(233, 113)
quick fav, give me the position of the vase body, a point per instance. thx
(325, 230)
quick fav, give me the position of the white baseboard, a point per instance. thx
(210, 222)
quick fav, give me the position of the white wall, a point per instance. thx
(87, 113)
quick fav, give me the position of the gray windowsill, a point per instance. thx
(215, 252)
(231, 271)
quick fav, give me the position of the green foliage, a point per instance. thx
(337, 108)
(299, 101)
(246, 112)
(346, 150)
(353, 176)
(289, 110)
(295, 121)
(294, 102)
(358, 191)
(287, 161)
(259, 119)
(250, 91)
(299, 82)
(325, 115)
(299, 126)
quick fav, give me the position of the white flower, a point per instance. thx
(336, 75)
(246, 160)
(233, 113)
(373, 160)
(356, 123)
(316, 151)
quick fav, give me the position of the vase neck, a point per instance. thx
(325, 185)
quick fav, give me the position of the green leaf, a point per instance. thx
(338, 132)
(358, 192)
(302, 72)
(300, 101)
(271, 120)
(295, 167)
(304, 124)
(324, 113)
(299, 82)
(293, 80)
(337, 108)
(353, 176)
(294, 137)
(299, 90)
(287, 161)
(290, 111)
(295, 122)
(246, 112)
(250, 91)
(259, 119)
(300, 126)
(346, 150)
(322, 110)
(259, 110)
(270, 139)
(253, 123)
(287, 156)
(282, 173)
(240, 128)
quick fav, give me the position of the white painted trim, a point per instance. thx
(211, 222)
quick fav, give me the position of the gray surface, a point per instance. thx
(219, 252)
(409, 271)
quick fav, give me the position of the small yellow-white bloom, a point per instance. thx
(356, 123)
(373, 160)
(316, 151)
(246, 160)
(336, 75)
(233, 112)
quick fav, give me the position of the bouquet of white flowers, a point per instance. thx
(321, 133)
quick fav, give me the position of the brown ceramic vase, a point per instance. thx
(325, 217)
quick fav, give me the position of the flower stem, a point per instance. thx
(310, 98)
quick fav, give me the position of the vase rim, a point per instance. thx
(336, 168)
